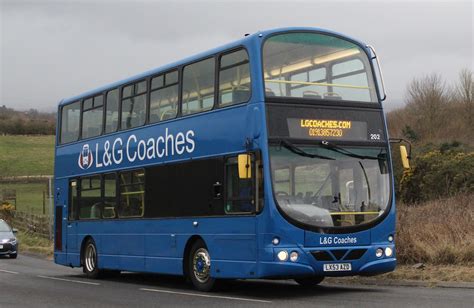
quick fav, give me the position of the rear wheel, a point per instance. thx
(199, 267)
(89, 260)
(309, 281)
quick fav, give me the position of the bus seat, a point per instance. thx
(312, 94)
(240, 95)
(332, 96)
(95, 211)
(168, 114)
(269, 92)
(154, 118)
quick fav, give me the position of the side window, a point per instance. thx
(72, 209)
(134, 105)
(239, 192)
(90, 200)
(132, 193)
(111, 111)
(234, 78)
(198, 87)
(92, 112)
(70, 116)
(164, 97)
(110, 196)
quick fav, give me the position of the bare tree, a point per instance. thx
(464, 94)
(426, 101)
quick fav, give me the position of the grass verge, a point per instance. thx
(32, 243)
(434, 273)
(438, 232)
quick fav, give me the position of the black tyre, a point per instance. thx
(89, 260)
(13, 256)
(309, 281)
(199, 267)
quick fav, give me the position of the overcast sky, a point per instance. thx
(56, 49)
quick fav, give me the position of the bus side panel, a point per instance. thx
(61, 197)
(120, 243)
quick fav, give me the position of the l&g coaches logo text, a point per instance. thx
(134, 148)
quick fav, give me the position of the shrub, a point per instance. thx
(442, 172)
(7, 211)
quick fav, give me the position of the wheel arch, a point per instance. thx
(83, 246)
(187, 249)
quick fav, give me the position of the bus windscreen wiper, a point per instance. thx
(341, 150)
(293, 148)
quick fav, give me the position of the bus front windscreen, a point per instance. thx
(316, 66)
(330, 186)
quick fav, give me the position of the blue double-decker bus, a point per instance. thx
(264, 158)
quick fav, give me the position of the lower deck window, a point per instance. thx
(132, 192)
(90, 201)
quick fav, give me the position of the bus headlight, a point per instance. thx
(293, 256)
(388, 252)
(379, 252)
(282, 255)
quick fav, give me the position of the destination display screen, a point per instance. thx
(325, 123)
(303, 128)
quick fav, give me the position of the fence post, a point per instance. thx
(44, 202)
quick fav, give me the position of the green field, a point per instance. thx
(29, 196)
(26, 155)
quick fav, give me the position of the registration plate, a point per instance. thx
(337, 267)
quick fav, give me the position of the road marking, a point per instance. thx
(9, 272)
(70, 280)
(209, 296)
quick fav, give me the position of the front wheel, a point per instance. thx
(89, 260)
(309, 281)
(199, 267)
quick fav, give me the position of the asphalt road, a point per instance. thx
(33, 282)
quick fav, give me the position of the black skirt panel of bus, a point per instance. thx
(184, 189)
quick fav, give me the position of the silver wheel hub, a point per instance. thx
(202, 265)
(90, 258)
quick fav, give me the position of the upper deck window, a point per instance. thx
(198, 86)
(164, 97)
(134, 105)
(316, 66)
(70, 116)
(111, 111)
(92, 112)
(234, 78)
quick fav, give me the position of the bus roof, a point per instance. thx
(245, 41)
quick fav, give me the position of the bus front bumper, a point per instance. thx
(309, 265)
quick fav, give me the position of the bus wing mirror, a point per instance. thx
(405, 157)
(245, 170)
